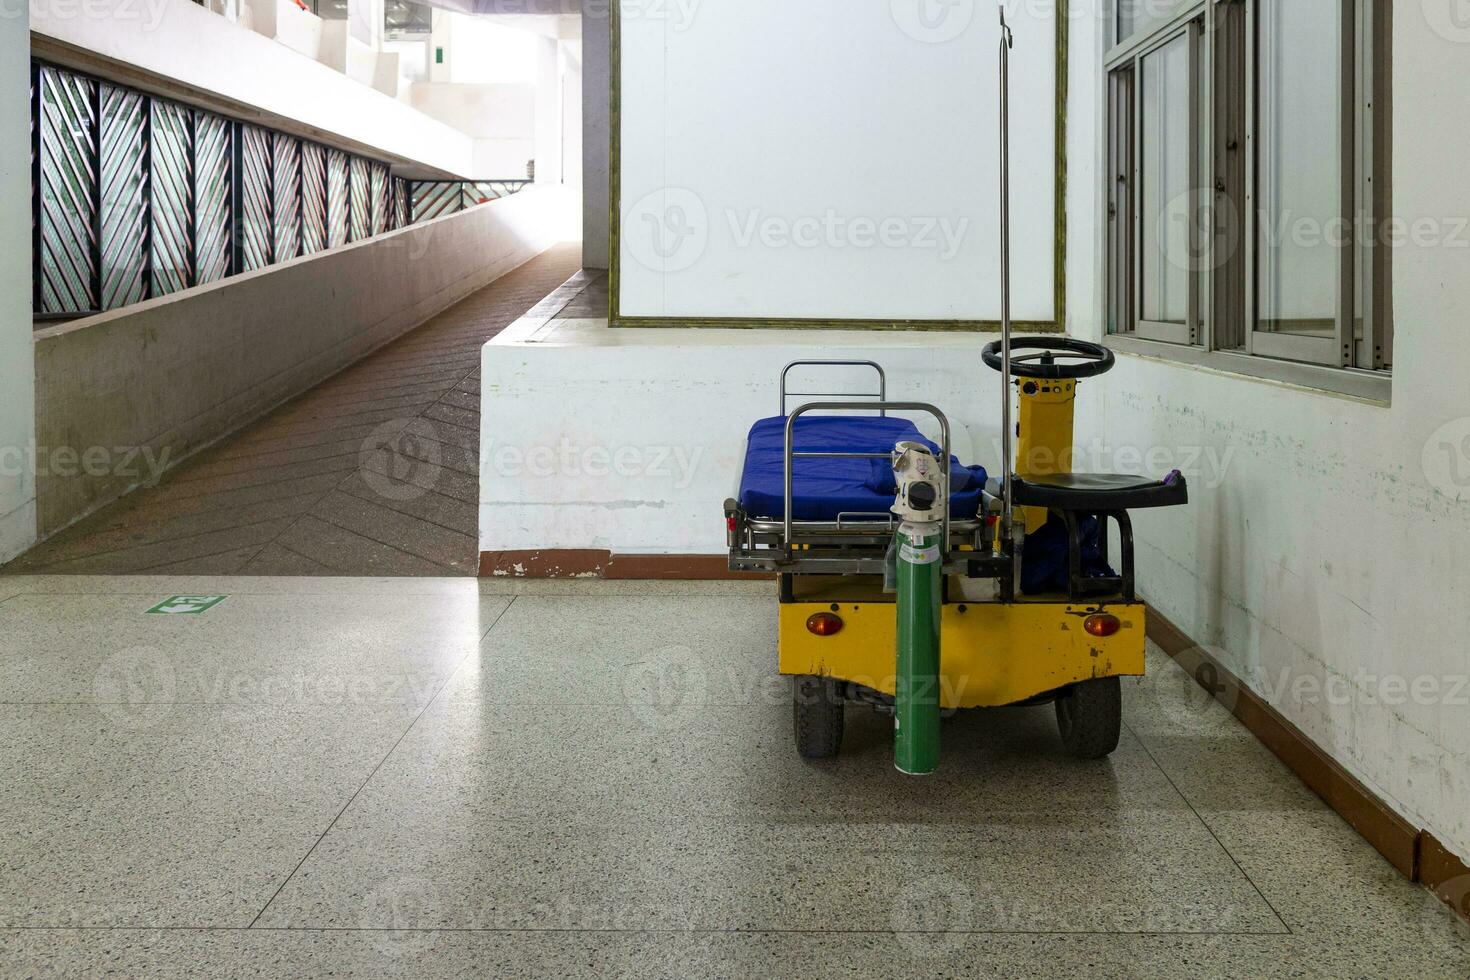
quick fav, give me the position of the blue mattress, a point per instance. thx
(824, 488)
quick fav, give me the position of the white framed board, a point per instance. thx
(830, 160)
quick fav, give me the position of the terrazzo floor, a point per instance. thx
(450, 777)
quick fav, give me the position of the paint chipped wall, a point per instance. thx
(1325, 557)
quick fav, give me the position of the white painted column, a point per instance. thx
(548, 111)
(17, 352)
(365, 22)
(596, 108)
(571, 113)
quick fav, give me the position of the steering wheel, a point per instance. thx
(1092, 359)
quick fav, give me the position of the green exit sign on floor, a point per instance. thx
(187, 605)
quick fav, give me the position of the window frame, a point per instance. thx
(1165, 331)
(1357, 359)
(1149, 21)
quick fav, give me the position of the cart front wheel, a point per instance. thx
(817, 715)
(1090, 716)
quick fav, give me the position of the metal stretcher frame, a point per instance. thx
(855, 543)
(884, 407)
(881, 394)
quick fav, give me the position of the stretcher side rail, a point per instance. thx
(881, 394)
(883, 407)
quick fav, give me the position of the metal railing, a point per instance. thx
(136, 197)
(435, 198)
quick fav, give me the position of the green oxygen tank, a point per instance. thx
(922, 498)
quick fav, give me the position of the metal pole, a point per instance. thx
(1006, 40)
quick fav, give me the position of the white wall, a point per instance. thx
(17, 373)
(365, 21)
(832, 160)
(413, 58)
(501, 84)
(500, 117)
(191, 49)
(483, 52)
(670, 410)
(1325, 546)
(300, 30)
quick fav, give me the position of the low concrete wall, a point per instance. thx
(628, 441)
(177, 373)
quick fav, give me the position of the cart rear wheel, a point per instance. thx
(817, 715)
(1090, 716)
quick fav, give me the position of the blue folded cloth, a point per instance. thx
(824, 488)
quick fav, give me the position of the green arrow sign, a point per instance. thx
(187, 605)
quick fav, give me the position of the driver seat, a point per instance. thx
(1097, 492)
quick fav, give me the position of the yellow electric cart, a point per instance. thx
(915, 584)
(1009, 633)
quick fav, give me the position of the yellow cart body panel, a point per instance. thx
(991, 654)
(1044, 436)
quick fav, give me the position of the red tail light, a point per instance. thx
(1102, 624)
(824, 623)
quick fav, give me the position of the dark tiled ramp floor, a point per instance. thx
(373, 472)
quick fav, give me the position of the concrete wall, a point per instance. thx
(484, 51)
(596, 110)
(17, 398)
(300, 30)
(173, 374)
(500, 117)
(413, 59)
(185, 50)
(1323, 556)
(629, 440)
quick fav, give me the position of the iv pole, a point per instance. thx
(1006, 428)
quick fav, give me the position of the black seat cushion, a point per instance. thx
(1092, 492)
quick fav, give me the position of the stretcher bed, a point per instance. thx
(816, 489)
(826, 488)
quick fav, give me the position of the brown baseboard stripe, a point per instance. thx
(570, 563)
(1444, 874)
(1417, 854)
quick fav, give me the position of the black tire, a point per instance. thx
(1090, 717)
(817, 716)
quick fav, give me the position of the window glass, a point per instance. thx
(1299, 166)
(1165, 182)
(403, 18)
(1120, 200)
(329, 9)
(1127, 20)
